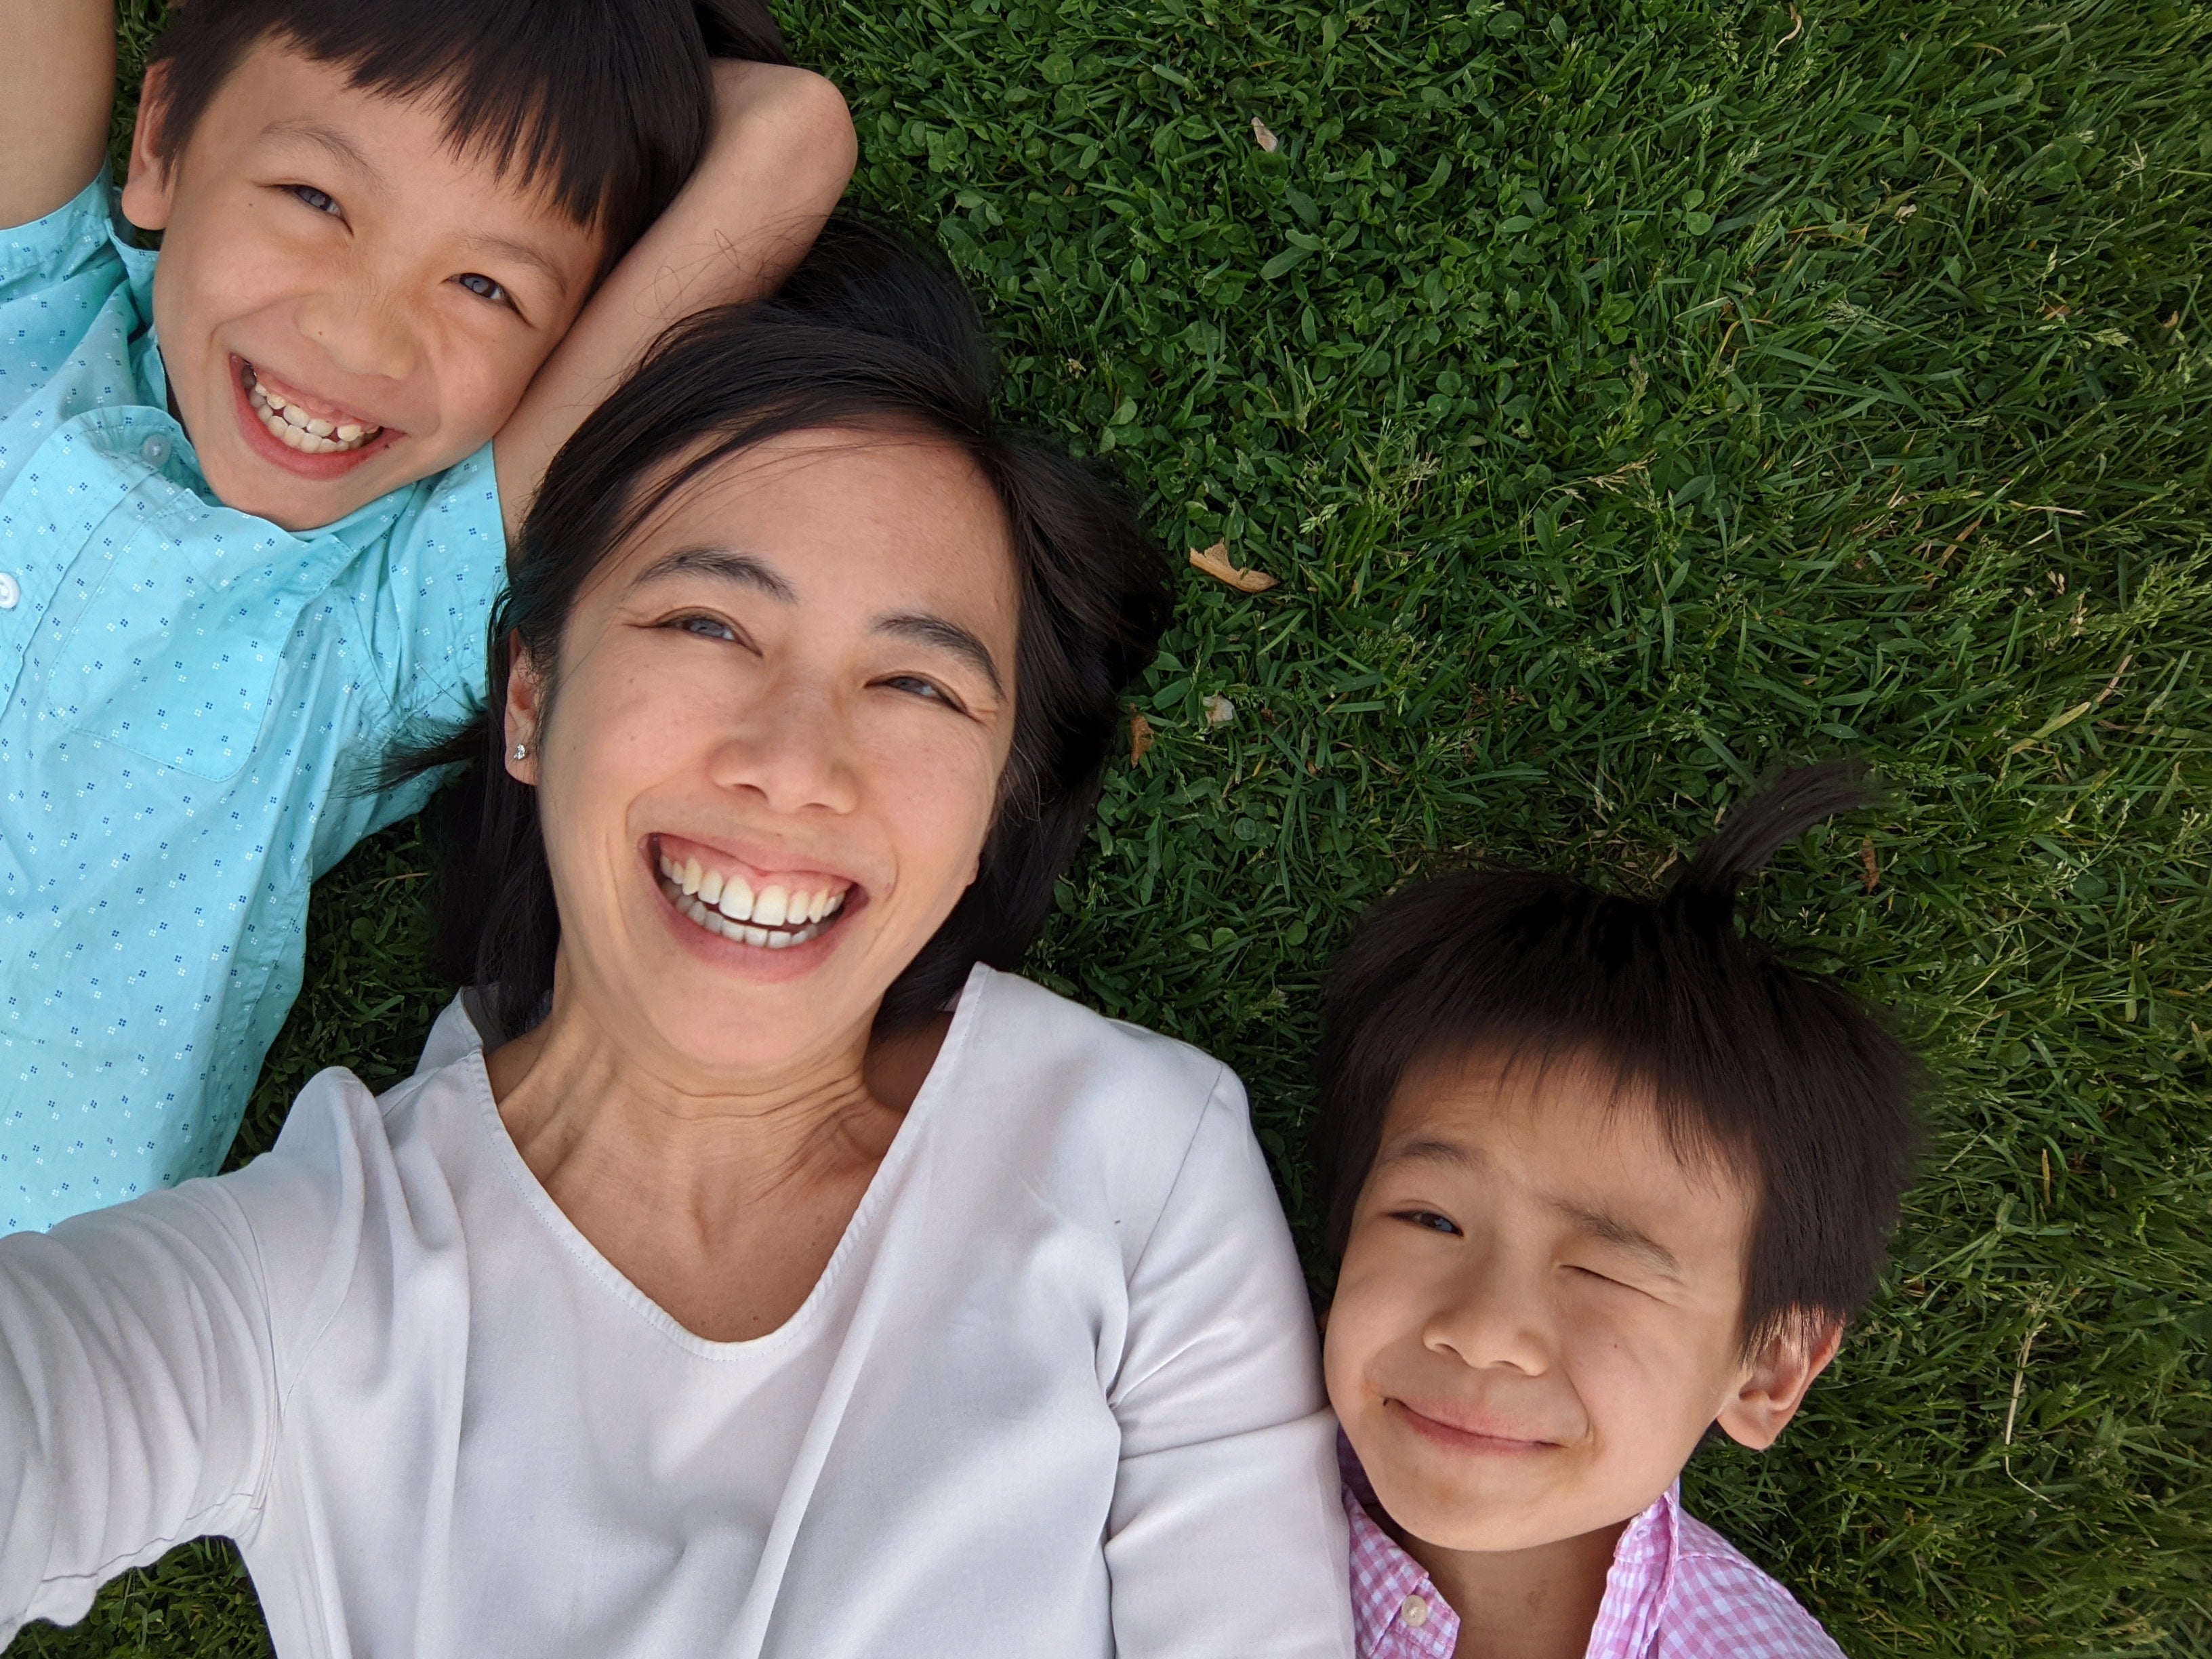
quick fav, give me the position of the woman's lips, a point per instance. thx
(303, 452)
(765, 924)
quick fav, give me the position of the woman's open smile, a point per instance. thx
(730, 898)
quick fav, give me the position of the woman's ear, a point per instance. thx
(1773, 1387)
(149, 192)
(524, 712)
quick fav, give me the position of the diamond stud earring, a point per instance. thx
(521, 750)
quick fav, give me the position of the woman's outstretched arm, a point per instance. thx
(1226, 1539)
(137, 1393)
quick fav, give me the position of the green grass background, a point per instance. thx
(1630, 398)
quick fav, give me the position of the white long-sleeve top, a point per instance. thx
(1055, 1393)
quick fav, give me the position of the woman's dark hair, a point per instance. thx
(1782, 1075)
(867, 331)
(607, 103)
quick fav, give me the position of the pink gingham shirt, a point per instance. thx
(1677, 1590)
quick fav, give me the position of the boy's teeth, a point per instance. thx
(311, 435)
(777, 919)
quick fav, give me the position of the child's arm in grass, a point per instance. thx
(57, 85)
(782, 149)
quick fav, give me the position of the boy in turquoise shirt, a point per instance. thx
(255, 492)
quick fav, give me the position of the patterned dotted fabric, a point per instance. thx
(1677, 1590)
(192, 705)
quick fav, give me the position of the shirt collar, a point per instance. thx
(1637, 1586)
(1396, 1612)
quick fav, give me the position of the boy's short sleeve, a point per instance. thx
(56, 274)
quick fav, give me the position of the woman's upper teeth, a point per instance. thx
(776, 904)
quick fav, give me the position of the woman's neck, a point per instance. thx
(677, 1178)
(1537, 1603)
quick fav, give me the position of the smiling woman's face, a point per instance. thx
(774, 746)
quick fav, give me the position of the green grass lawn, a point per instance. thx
(1628, 399)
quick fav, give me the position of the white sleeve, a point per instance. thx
(1226, 1538)
(144, 1350)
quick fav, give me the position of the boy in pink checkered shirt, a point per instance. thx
(1608, 1176)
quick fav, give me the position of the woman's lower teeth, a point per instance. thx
(309, 434)
(705, 916)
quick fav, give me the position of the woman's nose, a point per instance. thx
(789, 746)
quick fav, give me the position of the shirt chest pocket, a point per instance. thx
(175, 647)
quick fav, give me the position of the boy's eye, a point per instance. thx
(483, 287)
(320, 200)
(1430, 1220)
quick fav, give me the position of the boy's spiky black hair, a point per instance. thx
(1782, 1075)
(606, 105)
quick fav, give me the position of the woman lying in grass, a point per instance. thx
(772, 1275)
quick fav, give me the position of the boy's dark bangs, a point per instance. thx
(604, 105)
(555, 98)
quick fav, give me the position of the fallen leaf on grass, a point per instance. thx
(1140, 737)
(1220, 711)
(1216, 562)
(1873, 866)
(1262, 136)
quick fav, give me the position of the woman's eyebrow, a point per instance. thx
(743, 569)
(927, 629)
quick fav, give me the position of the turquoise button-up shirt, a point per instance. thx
(192, 705)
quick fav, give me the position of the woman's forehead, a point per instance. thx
(838, 515)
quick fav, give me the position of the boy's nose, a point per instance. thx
(1495, 1317)
(363, 336)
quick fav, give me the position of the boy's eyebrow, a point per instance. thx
(1432, 1149)
(743, 569)
(1615, 1231)
(335, 141)
(523, 253)
(947, 636)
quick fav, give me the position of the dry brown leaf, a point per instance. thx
(1140, 737)
(1217, 563)
(1262, 136)
(1873, 864)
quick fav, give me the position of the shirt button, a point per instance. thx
(10, 593)
(155, 451)
(1414, 1610)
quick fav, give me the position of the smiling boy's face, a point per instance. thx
(1539, 1311)
(345, 303)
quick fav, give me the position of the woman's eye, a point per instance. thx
(483, 287)
(1430, 1220)
(319, 200)
(914, 686)
(707, 628)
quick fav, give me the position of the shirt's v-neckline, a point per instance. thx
(912, 1128)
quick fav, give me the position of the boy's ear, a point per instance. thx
(1773, 1387)
(148, 193)
(524, 716)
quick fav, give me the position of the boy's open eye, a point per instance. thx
(321, 201)
(484, 288)
(1430, 1220)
